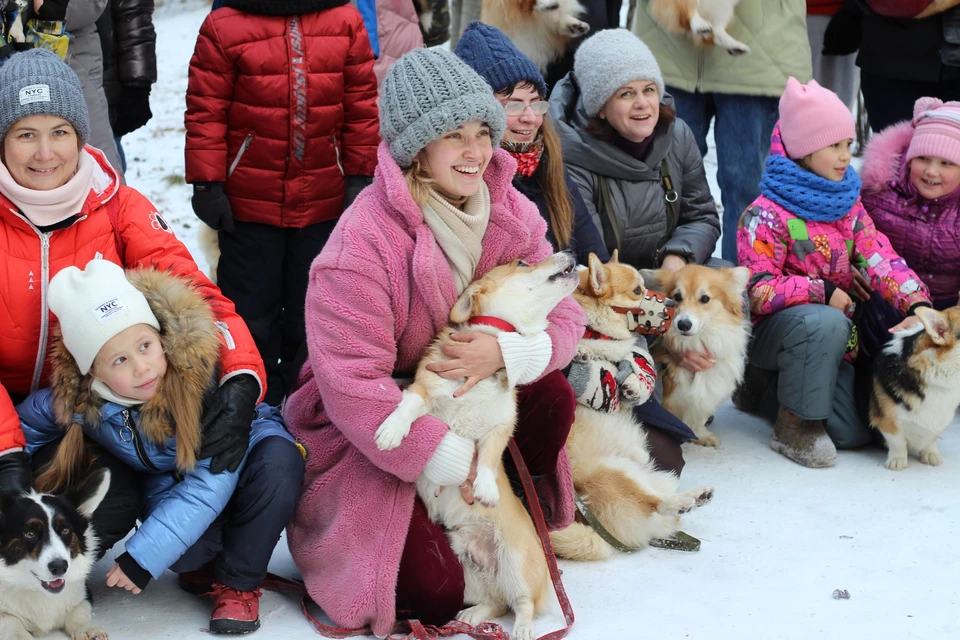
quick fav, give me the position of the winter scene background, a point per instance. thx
(777, 540)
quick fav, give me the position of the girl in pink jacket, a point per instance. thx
(812, 246)
(440, 213)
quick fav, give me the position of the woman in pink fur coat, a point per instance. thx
(440, 213)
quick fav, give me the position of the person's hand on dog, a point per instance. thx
(117, 578)
(841, 300)
(478, 357)
(861, 285)
(696, 361)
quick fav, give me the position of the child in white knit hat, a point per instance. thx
(133, 367)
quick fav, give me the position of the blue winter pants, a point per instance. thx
(241, 541)
(742, 135)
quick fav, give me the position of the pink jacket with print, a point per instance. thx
(379, 292)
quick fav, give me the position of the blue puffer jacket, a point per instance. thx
(176, 511)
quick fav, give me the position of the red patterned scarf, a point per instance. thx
(527, 155)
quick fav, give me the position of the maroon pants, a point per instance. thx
(430, 583)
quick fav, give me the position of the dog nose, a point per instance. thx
(684, 324)
(58, 567)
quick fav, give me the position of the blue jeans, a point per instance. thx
(123, 157)
(742, 133)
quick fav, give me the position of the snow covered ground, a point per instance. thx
(778, 539)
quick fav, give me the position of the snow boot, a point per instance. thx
(804, 441)
(749, 393)
(234, 611)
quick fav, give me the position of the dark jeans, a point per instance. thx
(890, 100)
(264, 270)
(742, 135)
(117, 514)
(241, 541)
(123, 156)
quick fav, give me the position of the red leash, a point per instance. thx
(414, 629)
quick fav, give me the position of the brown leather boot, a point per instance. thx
(749, 392)
(803, 441)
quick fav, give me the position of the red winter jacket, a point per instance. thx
(31, 258)
(281, 109)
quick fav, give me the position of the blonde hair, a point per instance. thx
(419, 181)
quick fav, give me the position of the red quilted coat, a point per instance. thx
(31, 258)
(282, 109)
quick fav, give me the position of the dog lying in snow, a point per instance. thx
(503, 562)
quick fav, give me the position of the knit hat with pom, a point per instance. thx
(936, 130)
(812, 118)
(429, 92)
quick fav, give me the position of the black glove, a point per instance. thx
(842, 35)
(211, 205)
(133, 110)
(15, 474)
(355, 184)
(52, 10)
(226, 423)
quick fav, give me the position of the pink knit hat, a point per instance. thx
(812, 118)
(936, 130)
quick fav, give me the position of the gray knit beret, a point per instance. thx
(36, 82)
(608, 60)
(428, 92)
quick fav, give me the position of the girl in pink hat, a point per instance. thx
(911, 187)
(816, 256)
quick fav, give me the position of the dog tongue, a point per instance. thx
(55, 584)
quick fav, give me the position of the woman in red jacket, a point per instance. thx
(61, 205)
(282, 134)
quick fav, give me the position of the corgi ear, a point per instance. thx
(740, 278)
(615, 258)
(934, 323)
(88, 496)
(599, 275)
(463, 309)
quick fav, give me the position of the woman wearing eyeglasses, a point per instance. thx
(531, 139)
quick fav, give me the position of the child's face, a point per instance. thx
(830, 162)
(934, 177)
(132, 363)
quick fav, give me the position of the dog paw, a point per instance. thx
(897, 464)
(738, 49)
(485, 487)
(576, 27)
(708, 440)
(474, 615)
(522, 631)
(700, 26)
(932, 458)
(705, 495)
(391, 433)
(631, 388)
(93, 633)
(678, 505)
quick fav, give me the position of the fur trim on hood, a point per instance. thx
(192, 348)
(883, 157)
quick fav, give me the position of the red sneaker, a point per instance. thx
(234, 611)
(199, 582)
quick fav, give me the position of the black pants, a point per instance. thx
(241, 541)
(117, 514)
(890, 101)
(264, 270)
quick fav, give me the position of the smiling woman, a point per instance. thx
(41, 152)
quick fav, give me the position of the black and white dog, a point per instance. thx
(47, 549)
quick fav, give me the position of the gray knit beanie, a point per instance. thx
(36, 82)
(428, 92)
(608, 60)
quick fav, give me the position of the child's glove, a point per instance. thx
(211, 205)
(15, 474)
(226, 423)
(133, 111)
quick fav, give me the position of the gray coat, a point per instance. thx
(85, 57)
(635, 187)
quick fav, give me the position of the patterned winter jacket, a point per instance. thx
(925, 232)
(792, 259)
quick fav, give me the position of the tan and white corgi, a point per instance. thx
(705, 21)
(540, 29)
(916, 387)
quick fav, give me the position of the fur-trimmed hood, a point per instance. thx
(883, 157)
(191, 345)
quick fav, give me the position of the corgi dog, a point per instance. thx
(47, 549)
(612, 469)
(709, 318)
(503, 561)
(916, 387)
(705, 21)
(540, 29)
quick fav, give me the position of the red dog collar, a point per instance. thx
(490, 321)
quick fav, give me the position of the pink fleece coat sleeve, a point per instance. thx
(353, 351)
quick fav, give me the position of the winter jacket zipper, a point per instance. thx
(137, 442)
(336, 150)
(236, 159)
(44, 312)
(227, 336)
